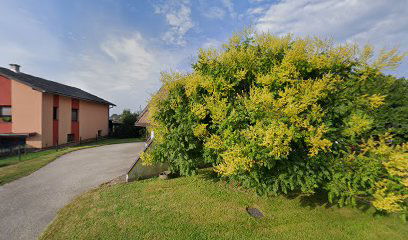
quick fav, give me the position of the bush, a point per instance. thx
(283, 115)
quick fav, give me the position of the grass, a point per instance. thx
(11, 168)
(200, 208)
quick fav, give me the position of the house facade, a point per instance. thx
(47, 113)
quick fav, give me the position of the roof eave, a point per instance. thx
(83, 99)
(57, 93)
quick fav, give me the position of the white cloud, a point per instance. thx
(229, 5)
(214, 13)
(256, 11)
(178, 16)
(211, 43)
(125, 70)
(378, 22)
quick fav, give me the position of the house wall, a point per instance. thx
(47, 120)
(5, 100)
(64, 119)
(32, 112)
(27, 112)
(55, 122)
(93, 117)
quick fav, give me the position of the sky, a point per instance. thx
(116, 49)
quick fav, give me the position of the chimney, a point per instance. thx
(15, 68)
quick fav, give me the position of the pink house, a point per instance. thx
(47, 113)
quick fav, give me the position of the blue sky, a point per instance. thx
(116, 49)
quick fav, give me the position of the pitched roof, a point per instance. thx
(51, 87)
(142, 120)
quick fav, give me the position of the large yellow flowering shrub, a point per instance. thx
(284, 114)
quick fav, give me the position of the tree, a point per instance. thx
(128, 118)
(127, 129)
(282, 115)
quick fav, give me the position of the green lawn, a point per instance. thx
(11, 168)
(199, 207)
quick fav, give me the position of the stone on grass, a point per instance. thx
(164, 175)
(254, 212)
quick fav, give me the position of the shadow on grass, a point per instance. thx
(5, 164)
(209, 175)
(320, 199)
(316, 200)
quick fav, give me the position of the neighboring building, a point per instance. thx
(114, 124)
(142, 120)
(48, 113)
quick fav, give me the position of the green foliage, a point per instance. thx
(393, 115)
(128, 118)
(378, 171)
(127, 129)
(282, 115)
(182, 149)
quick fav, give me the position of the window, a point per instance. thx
(75, 115)
(55, 113)
(70, 137)
(5, 113)
(99, 133)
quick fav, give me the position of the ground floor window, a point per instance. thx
(5, 113)
(70, 137)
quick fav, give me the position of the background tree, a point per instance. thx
(127, 128)
(128, 118)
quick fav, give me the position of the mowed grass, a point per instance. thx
(200, 208)
(11, 168)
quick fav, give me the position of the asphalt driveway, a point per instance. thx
(29, 204)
